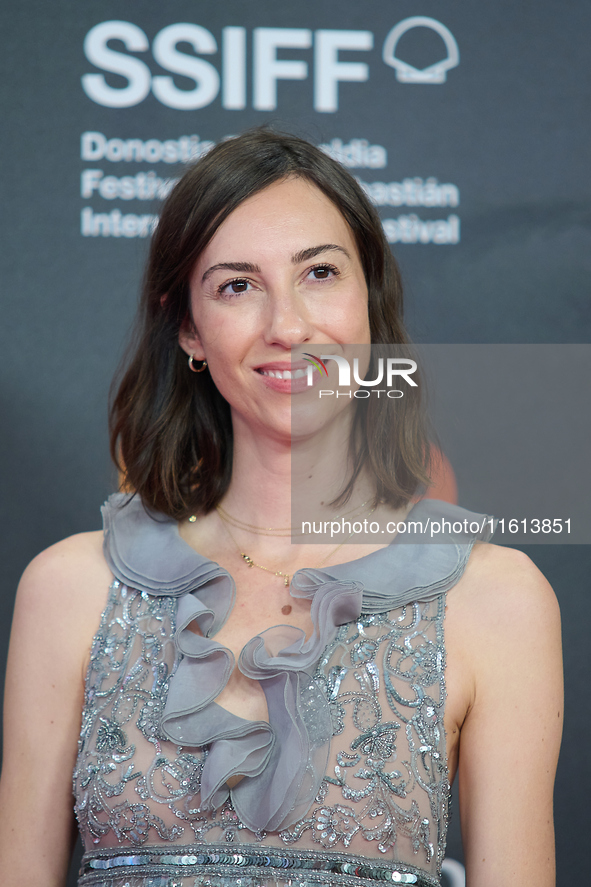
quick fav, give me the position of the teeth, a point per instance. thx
(286, 374)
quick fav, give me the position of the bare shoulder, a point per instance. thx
(502, 587)
(66, 562)
(67, 584)
(502, 621)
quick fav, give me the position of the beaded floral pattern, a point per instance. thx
(384, 679)
(385, 791)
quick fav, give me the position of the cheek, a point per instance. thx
(227, 336)
(349, 317)
(363, 313)
(225, 325)
(208, 321)
(216, 330)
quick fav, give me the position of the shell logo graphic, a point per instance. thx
(436, 73)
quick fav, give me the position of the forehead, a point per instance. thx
(282, 219)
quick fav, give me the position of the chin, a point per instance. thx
(281, 433)
(276, 426)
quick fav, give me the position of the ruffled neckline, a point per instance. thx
(281, 762)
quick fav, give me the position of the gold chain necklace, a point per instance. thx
(285, 576)
(242, 525)
(270, 531)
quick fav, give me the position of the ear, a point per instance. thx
(189, 339)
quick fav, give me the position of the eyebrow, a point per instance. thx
(314, 251)
(303, 256)
(245, 267)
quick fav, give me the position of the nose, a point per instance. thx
(288, 322)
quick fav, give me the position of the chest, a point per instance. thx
(411, 648)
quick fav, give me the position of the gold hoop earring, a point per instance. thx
(192, 365)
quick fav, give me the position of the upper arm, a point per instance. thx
(510, 738)
(57, 610)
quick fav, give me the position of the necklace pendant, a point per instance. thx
(286, 581)
(248, 559)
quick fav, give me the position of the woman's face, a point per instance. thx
(281, 270)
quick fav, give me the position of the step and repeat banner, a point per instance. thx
(467, 126)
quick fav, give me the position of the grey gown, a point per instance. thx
(347, 784)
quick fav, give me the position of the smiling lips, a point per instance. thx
(284, 374)
(288, 381)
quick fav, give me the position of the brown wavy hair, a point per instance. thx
(170, 429)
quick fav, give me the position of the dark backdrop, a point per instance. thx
(480, 171)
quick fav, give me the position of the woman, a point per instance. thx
(325, 755)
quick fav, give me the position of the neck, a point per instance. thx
(273, 480)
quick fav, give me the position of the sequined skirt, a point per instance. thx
(240, 865)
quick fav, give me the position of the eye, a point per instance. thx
(323, 272)
(234, 287)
